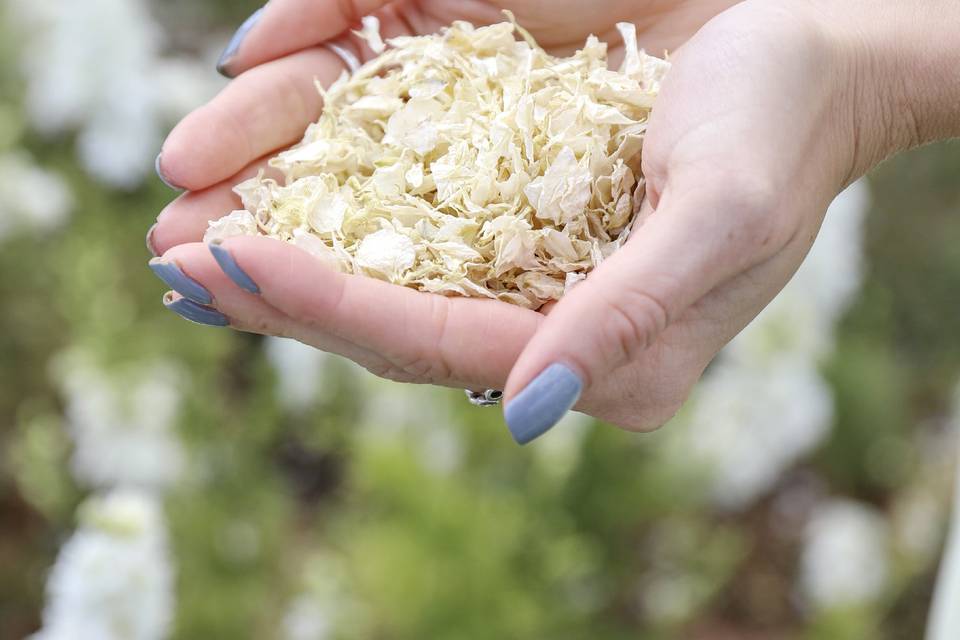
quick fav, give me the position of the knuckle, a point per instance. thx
(633, 320)
(389, 371)
(440, 351)
(752, 197)
(760, 226)
(318, 310)
(422, 359)
(426, 370)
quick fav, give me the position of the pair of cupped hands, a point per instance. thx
(764, 118)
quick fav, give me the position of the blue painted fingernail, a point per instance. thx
(235, 42)
(543, 403)
(198, 313)
(149, 241)
(163, 178)
(180, 282)
(230, 267)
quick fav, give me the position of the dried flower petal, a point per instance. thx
(466, 163)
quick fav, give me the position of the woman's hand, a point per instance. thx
(768, 112)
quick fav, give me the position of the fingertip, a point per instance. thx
(542, 403)
(188, 161)
(228, 59)
(158, 168)
(231, 269)
(194, 312)
(177, 279)
(149, 241)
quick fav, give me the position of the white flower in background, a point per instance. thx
(763, 405)
(113, 578)
(668, 596)
(300, 372)
(123, 429)
(307, 619)
(419, 414)
(325, 606)
(560, 453)
(30, 197)
(802, 318)
(944, 621)
(844, 561)
(96, 67)
(748, 425)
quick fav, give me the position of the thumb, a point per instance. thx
(282, 27)
(696, 239)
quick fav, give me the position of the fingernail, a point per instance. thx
(230, 267)
(163, 178)
(153, 251)
(198, 313)
(543, 403)
(227, 56)
(180, 282)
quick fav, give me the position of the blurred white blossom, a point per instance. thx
(300, 372)
(845, 557)
(123, 429)
(306, 619)
(420, 415)
(96, 67)
(31, 197)
(668, 596)
(749, 424)
(113, 578)
(325, 606)
(763, 404)
(560, 453)
(945, 615)
(802, 318)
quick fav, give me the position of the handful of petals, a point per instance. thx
(466, 163)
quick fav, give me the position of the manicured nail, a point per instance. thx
(163, 178)
(180, 282)
(194, 312)
(149, 241)
(544, 401)
(230, 267)
(234, 46)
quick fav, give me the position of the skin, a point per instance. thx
(771, 109)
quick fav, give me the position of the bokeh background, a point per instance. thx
(164, 480)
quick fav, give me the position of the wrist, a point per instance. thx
(903, 88)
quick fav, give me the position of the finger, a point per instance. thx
(698, 238)
(262, 111)
(457, 342)
(186, 219)
(226, 305)
(285, 26)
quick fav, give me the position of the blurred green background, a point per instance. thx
(302, 499)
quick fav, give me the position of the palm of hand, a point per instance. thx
(731, 213)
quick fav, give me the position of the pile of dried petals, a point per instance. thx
(466, 163)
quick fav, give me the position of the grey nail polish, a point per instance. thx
(149, 241)
(198, 313)
(180, 282)
(230, 267)
(163, 178)
(234, 46)
(543, 403)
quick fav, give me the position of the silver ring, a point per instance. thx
(351, 61)
(487, 398)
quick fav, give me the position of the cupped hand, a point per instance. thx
(757, 128)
